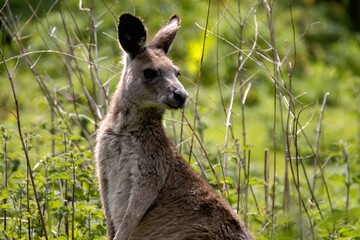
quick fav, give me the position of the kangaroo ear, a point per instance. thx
(132, 34)
(166, 35)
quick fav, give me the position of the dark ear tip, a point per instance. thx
(125, 17)
(175, 18)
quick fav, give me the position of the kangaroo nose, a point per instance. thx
(180, 97)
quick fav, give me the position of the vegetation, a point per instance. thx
(273, 120)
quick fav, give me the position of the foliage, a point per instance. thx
(272, 122)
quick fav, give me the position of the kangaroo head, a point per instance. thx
(149, 77)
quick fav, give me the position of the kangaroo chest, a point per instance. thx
(139, 157)
(121, 172)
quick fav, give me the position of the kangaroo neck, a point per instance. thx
(131, 117)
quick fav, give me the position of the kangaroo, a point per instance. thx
(148, 191)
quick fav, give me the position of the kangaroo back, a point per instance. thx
(148, 191)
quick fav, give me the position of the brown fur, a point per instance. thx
(148, 191)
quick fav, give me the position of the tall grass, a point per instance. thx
(49, 187)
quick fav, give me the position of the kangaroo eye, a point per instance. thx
(150, 73)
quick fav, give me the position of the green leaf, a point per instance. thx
(55, 204)
(248, 147)
(60, 175)
(356, 179)
(256, 181)
(349, 232)
(5, 206)
(12, 155)
(17, 175)
(338, 178)
(76, 138)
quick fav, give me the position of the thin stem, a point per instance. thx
(204, 152)
(66, 197)
(267, 182)
(348, 176)
(6, 169)
(181, 137)
(268, 11)
(73, 198)
(23, 143)
(318, 135)
(198, 79)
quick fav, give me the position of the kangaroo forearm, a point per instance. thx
(141, 198)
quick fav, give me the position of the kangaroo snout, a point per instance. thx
(176, 99)
(180, 97)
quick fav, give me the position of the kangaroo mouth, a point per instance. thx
(177, 106)
(173, 104)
